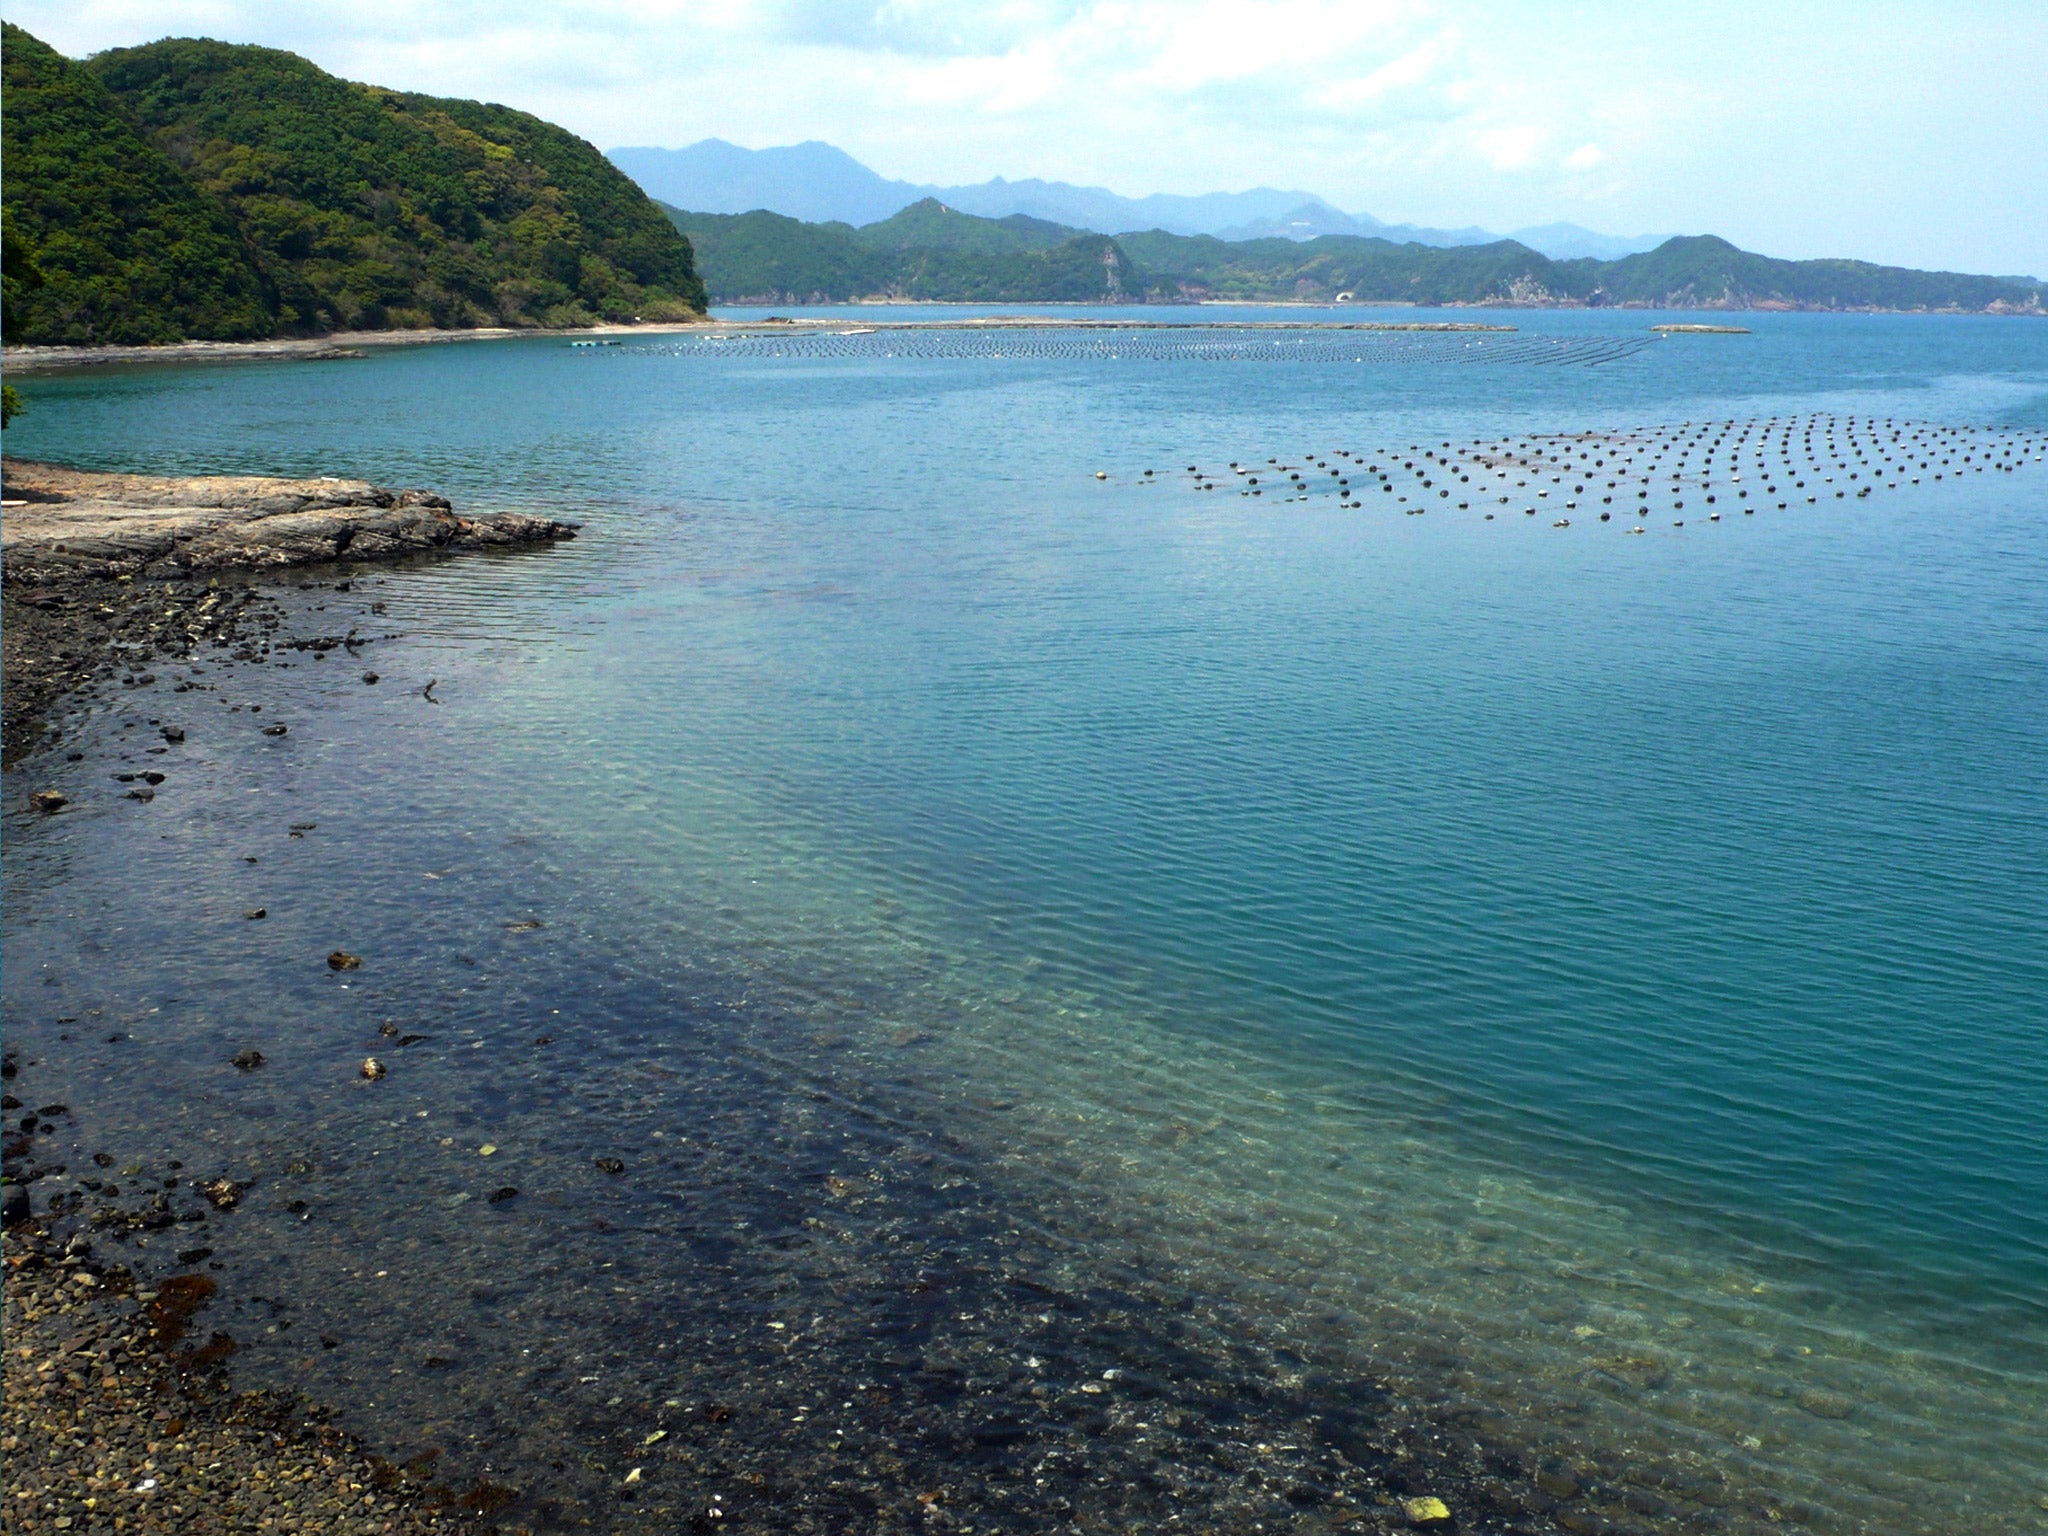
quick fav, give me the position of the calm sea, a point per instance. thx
(1014, 921)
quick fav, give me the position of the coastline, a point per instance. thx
(101, 573)
(118, 1414)
(30, 361)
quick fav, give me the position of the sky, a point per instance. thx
(1908, 133)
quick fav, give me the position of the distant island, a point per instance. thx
(202, 190)
(932, 253)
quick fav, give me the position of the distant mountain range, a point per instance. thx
(817, 183)
(929, 251)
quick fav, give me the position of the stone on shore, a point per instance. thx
(1427, 1513)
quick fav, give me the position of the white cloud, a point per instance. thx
(1513, 148)
(1017, 81)
(1501, 112)
(1431, 64)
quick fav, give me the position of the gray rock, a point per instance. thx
(80, 522)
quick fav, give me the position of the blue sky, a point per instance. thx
(1908, 133)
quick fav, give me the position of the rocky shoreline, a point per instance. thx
(102, 573)
(63, 523)
(120, 1413)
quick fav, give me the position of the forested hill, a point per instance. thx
(199, 189)
(1689, 272)
(130, 249)
(927, 251)
(932, 252)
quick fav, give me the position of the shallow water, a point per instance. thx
(1590, 986)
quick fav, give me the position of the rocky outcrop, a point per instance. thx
(66, 523)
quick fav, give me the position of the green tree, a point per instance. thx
(19, 275)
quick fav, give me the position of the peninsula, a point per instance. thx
(196, 190)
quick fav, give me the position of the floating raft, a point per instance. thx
(785, 325)
(1702, 330)
(1111, 341)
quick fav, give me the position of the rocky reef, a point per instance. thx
(63, 523)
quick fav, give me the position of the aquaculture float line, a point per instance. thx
(1704, 470)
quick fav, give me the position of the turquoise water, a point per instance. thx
(1593, 985)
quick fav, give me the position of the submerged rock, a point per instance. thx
(1826, 1405)
(1559, 1485)
(223, 1194)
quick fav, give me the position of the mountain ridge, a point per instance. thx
(934, 253)
(820, 183)
(926, 251)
